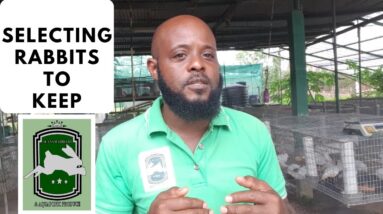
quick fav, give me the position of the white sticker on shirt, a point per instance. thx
(157, 172)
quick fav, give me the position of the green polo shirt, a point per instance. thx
(143, 157)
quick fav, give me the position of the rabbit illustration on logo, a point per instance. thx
(72, 165)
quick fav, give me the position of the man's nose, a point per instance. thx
(196, 63)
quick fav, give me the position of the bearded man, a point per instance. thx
(187, 153)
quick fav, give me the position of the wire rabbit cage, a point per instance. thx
(348, 168)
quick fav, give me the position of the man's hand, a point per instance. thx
(173, 200)
(260, 198)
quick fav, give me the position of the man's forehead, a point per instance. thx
(181, 30)
(183, 21)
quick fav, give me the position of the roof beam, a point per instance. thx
(352, 43)
(227, 15)
(168, 4)
(348, 55)
(377, 22)
(376, 18)
(329, 59)
(315, 66)
(353, 49)
(212, 21)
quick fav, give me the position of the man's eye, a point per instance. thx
(180, 56)
(209, 55)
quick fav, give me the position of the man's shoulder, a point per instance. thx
(126, 130)
(237, 116)
(245, 123)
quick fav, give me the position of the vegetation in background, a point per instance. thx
(271, 73)
(280, 90)
(279, 82)
(372, 78)
(249, 57)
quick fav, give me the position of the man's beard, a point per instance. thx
(191, 110)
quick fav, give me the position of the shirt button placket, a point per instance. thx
(198, 155)
(196, 167)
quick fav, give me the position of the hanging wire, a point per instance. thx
(271, 24)
(131, 54)
(266, 93)
(269, 42)
(141, 63)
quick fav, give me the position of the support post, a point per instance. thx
(359, 67)
(267, 124)
(305, 186)
(357, 108)
(335, 56)
(297, 63)
(13, 124)
(349, 169)
(3, 186)
(2, 126)
(308, 146)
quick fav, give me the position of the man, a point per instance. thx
(187, 154)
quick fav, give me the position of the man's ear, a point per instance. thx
(152, 65)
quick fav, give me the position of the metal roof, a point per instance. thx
(239, 25)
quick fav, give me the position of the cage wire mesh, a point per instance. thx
(8, 169)
(290, 155)
(348, 168)
(372, 106)
(350, 171)
(348, 108)
(129, 71)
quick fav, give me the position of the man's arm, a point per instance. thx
(112, 193)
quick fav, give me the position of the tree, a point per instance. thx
(280, 91)
(372, 78)
(316, 82)
(249, 57)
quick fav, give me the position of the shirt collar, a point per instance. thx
(155, 122)
(221, 119)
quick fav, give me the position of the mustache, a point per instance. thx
(201, 78)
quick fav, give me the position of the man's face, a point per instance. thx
(188, 61)
(187, 69)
